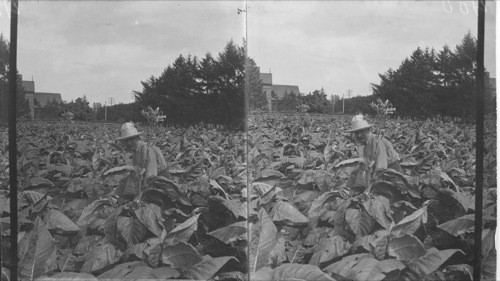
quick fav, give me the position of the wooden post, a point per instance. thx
(478, 215)
(13, 139)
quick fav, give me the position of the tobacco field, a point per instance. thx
(273, 203)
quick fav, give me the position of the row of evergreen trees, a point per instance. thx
(315, 102)
(212, 89)
(21, 102)
(430, 83)
(426, 84)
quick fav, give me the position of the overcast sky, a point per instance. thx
(344, 45)
(105, 49)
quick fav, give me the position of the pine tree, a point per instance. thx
(22, 105)
(430, 83)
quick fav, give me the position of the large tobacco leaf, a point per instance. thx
(153, 252)
(181, 255)
(386, 189)
(233, 205)
(55, 220)
(258, 189)
(136, 250)
(138, 271)
(66, 261)
(320, 204)
(122, 170)
(269, 176)
(162, 273)
(88, 185)
(231, 233)
(183, 231)
(37, 183)
(88, 213)
(37, 252)
(110, 227)
(368, 242)
(361, 267)
(401, 181)
(131, 230)
(316, 234)
(150, 217)
(328, 249)
(85, 244)
(406, 248)
(74, 208)
(366, 269)
(352, 161)
(101, 256)
(378, 208)
(459, 225)
(121, 271)
(489, 266)
(299, 272)
(390, 265)
(265, 273)
(278, 255)
(379, 245)
(460, 199)
(461, 272)
(69, 276)
(411, 223)
(296, 252)
(488, 243)
(339, 220)
(206, 268)
(360, 221)
(263, 239)
(129, 186)
(305, 198)
(287, 213)
(142, 272)
(343, 266)
(28, 197)
(431, 261)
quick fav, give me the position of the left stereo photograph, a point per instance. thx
(130, 124)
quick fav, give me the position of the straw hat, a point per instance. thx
(358, 123)
(128, 130)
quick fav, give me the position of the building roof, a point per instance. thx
(280, 90)
(29, 86)
(45, 98)
(267, 78)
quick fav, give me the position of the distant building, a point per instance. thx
(492, 81)
(42, 98)
(275, 92)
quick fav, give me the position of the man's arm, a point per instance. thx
(380, 154)
(151, 166)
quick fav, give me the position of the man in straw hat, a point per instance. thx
(149, 159)
(378, 152)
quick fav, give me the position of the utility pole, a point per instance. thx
(333, 104)
(12, 80)
(111, 100)
(343, 103)
(478, 214)
(349, 98)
